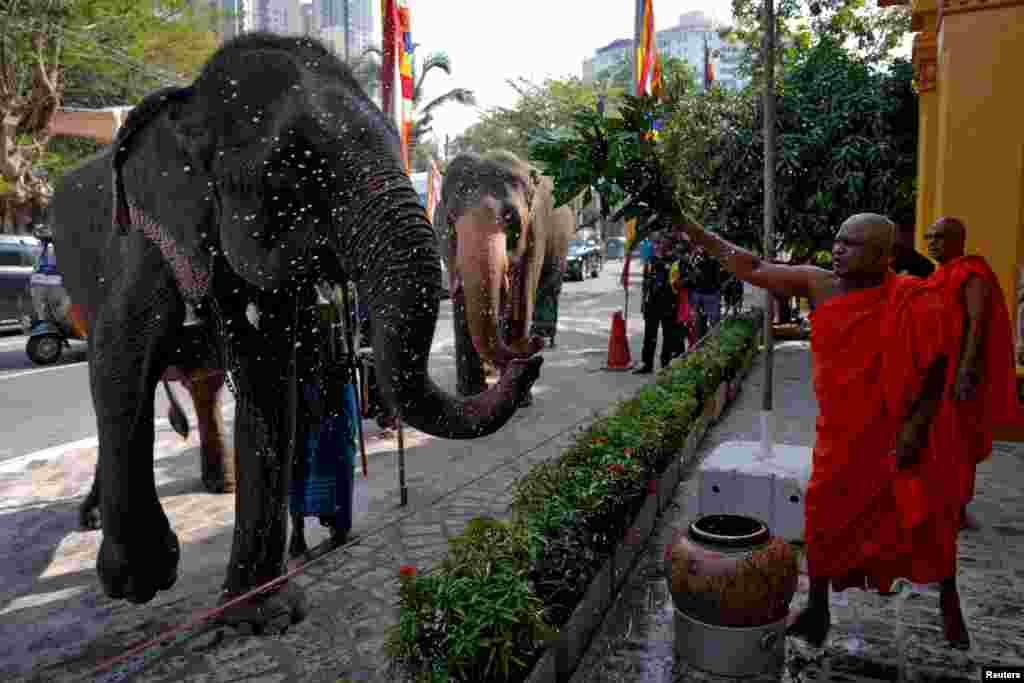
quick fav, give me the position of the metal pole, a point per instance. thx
(354, 368)
(638, 31)
(403, 490)
(768, 54)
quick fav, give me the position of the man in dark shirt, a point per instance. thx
(659, 308)
(905, 259)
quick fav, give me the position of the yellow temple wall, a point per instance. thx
(971, 150)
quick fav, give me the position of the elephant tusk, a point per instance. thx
(252, 314)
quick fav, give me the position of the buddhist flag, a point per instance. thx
(405, 51)
(398, 60)
(657, 82)
(709, 67)
(646, 50)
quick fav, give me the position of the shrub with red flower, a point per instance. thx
(617, 468)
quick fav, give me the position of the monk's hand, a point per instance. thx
(909, 443)
(967, 379)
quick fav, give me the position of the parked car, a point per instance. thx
(615, 248)
(583, 259)
(18, 255)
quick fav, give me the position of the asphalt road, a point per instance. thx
(45, 407)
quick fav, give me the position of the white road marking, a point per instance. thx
(36, 371)
(18, 463)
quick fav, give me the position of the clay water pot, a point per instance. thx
(730, 571)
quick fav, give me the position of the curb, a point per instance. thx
(562, 656)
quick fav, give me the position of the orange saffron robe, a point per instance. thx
(867, 523)
(967, 426)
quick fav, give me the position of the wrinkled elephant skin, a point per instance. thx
(271, 172)
(86, 243)
(503, 238)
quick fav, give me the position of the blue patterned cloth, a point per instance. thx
(330, 454)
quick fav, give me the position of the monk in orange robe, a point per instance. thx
(875, 507)
(983, 378)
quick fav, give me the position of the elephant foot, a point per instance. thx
(297, 546)
(216, 477)
(136, 572)
(267, 613)
(89, 513)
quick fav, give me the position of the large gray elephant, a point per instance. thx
(80, 214)
(505, 246)
(272, 171)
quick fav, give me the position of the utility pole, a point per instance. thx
(768, 55)
(344, 4)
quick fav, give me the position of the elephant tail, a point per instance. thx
(176, 415)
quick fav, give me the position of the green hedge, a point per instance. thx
(507, 586)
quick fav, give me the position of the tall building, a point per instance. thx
(276, 16)
(688, 40)
(308, 23)
(347, 25)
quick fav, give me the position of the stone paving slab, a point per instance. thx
(55, 624)
(900, 638)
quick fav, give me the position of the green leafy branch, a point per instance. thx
(616, 156)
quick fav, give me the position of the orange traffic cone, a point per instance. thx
(618, 347)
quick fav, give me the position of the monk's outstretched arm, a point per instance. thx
(976, 302)
(749, 267)
(913, 437)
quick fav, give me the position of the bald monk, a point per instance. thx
(880, 352)
(984, 377)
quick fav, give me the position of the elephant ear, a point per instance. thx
(141, 115)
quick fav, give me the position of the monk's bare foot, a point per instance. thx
(953, 625)
(811, 625)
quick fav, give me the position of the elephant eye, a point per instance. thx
(512, 232)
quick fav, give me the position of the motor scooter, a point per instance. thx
(54, 320)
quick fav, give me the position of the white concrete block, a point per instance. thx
(735, 479)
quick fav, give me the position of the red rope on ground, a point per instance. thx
(210, 613)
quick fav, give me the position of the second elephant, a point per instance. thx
(505, 246)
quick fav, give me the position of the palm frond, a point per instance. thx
(434, 60)
(463, 96)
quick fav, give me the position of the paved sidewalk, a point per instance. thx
(636, 639)
(55, 624)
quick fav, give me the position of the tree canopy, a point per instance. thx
(93, 53)
(554, 104)
(847, 143)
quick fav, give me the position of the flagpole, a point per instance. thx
(387, 72)
(767, 424)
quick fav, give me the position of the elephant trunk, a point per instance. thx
(489, 279)
(395, 260)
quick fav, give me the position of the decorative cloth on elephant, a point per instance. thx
(967, 426)
(867, 522)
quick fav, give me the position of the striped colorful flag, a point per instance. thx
(397, 74)
(646, 51)
(405, 51)
(657, 80)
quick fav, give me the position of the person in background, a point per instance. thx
(706, 290)
(983, 380)
(659, 308)
(906, 260)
